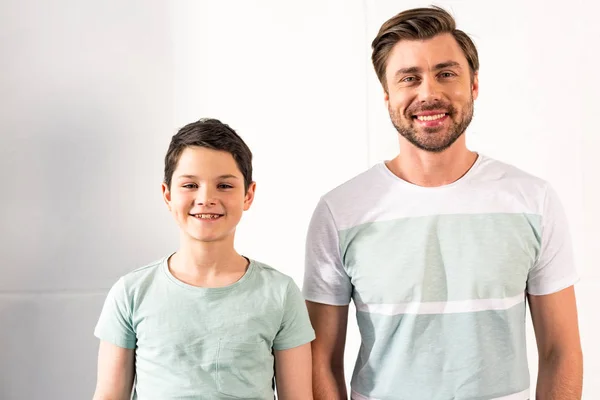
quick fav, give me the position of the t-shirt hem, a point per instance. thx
(296, 343)
(542, 290)
(325, 299)
(119, 343)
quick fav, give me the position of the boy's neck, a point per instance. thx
(215, 264)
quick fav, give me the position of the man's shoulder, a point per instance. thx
(362, 184)
(492, 170)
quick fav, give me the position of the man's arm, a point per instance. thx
(293, 373)
(560, 373)
(330, 324)
(116, 371)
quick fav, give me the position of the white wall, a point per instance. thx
(92, 91)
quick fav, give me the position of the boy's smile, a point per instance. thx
(207, 217)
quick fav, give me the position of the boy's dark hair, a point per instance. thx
(212, 134)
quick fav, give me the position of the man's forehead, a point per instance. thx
(426, 53)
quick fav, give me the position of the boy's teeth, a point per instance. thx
(206, 216)
(430, 117)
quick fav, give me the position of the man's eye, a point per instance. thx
(409, 79)
(447, 74)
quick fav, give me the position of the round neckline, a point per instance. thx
(207, 290)
(459, 181)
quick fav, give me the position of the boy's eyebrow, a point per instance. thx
(226, 176)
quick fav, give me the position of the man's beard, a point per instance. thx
(434, 139)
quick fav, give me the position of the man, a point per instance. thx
(440, 248)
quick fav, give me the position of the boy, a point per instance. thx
(205, 322)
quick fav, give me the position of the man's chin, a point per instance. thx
(431, 142)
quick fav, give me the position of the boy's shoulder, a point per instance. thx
(267, 270)
(272, 276)
(144, 275)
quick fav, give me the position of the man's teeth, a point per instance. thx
(207, 216)
(430, 117)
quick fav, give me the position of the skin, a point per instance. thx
(206, 182)
(433, 76)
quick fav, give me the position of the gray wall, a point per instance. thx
(85, 113)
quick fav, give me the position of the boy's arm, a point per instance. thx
(293, 373)
(116, 371)
(330, 324)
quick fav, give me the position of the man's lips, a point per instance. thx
(430, 114)
(431, 118)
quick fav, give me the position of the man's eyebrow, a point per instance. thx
(446, 64)
(436, 67)
(408, 70)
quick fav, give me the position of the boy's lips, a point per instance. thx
(207, 216)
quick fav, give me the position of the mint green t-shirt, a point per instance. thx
(204, 343)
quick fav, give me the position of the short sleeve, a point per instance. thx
(325, 279)
(295, 329)
(115, 323)
(554, 269)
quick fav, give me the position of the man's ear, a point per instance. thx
(475, 85)
(386, 98)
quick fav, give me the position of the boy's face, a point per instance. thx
(207, 196)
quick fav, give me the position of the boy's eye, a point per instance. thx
(190, 186)
(225, 186)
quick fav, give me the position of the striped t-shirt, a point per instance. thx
(439, 277)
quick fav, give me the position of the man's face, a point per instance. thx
(430, 92)
(207, 196)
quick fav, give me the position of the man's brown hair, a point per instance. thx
(418, 24)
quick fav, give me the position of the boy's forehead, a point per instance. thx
(204, 162)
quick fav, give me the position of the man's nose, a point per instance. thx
(430, 90)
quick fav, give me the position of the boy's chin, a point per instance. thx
(205, 238)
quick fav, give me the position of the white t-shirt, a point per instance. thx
(439, 277)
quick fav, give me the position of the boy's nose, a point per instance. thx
(206, 197)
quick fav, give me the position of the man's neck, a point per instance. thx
(427, 169)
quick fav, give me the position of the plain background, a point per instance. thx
(91, 92)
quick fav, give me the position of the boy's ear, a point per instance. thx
(166, 195)
(249, 198)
